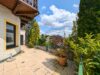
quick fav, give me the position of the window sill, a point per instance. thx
(12, 48)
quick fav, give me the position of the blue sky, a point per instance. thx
(56, 16)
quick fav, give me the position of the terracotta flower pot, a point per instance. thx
(62, 60)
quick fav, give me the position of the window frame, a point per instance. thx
(14, 26)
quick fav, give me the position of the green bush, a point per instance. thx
(89, 47)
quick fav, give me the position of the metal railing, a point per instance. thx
(80, 70)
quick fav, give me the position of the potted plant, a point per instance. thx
(62, 57)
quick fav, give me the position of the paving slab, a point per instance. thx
(1, 67)
(34, 62)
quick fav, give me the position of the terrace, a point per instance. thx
(35, 62)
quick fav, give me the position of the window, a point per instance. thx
(10, 35)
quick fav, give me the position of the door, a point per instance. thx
(21, 39)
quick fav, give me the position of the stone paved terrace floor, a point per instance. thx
(34, 62)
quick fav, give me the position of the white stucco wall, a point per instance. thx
(6, 14)
(23, 33)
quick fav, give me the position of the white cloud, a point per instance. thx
(61, 32)
(58, 18)
(44, 7)
(76, 5)
(42, 32)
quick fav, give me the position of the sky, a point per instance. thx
(57, 16)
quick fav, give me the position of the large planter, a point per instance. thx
(62, 60)
(62, 56)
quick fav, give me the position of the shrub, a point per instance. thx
(89, 47)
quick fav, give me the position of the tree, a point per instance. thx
(42, 40)
(74, 30)
(56, 41)
(89, 17)
(34, 33)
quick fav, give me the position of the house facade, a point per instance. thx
(14, 14)
(22, 36)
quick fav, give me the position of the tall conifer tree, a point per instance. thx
(89, 17)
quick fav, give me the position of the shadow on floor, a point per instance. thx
(53, 65)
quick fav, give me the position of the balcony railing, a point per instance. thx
(33, 3)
